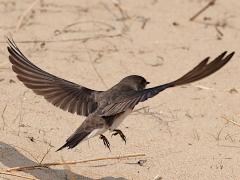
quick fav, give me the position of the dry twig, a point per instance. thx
(16, 175)
(48, 150)
(3, 119)
(19, 24)
(211, 3)
(94, 67)
(99, 36)
(69, 172)
(46, 165)
(26, 151)
(229, 120)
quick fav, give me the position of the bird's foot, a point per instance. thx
(117, 131)
(105, 141)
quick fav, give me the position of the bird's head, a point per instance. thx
(134, 82)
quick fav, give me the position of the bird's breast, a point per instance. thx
(119, 119)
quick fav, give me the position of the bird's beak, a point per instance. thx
(147, 82)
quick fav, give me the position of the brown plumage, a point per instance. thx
(67, 95)
(105, 110)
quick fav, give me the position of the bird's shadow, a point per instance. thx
(11, 157)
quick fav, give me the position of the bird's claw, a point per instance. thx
(117, 131)
(105, 141)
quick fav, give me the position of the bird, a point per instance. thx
(104, 110)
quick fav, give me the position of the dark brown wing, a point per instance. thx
(202, 70)
(61, 93)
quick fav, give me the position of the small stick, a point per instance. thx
(46, 165)
(3, 119)
(69, 172)
(145, 20)
(19, 24)
(29, 153)
(100, 36)
(95, 68)
(16, 175)
(218, 30)
(229, 146)
(45, 155)
(202, 87)
(145, 108)
(229, 120)
(211, 3)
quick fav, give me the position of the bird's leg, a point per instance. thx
(105, 141)
(118, 131)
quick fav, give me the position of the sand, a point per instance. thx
(96, 43)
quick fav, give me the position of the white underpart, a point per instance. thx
(115, 124)
(95, 132)
(120, 119)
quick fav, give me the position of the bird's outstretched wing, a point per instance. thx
(61, 93)
(202, 70)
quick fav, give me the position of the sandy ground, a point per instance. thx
(96, 43)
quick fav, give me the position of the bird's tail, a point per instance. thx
(74, 140)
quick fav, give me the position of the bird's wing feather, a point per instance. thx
(67, 95)
(202, 70)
